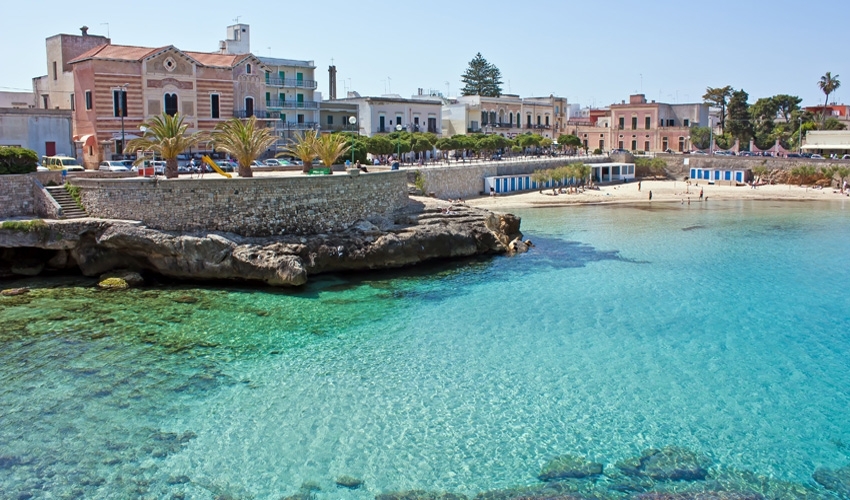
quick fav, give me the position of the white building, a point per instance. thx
(507, 115)
(385, 114)
(17, 100)
(55, 90)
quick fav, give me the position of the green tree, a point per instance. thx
(482, 78)
(828, 84)
(718, 97)
(569, 141)
(759, 171)
(379, 145)
(832, 123)
(700, 137)
(243, 140)
(787, 105)
(738, 123)
(842, 172)
(329, 147)
(166, 136)
(540, 177)
(17, 160)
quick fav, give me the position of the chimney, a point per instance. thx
(332, 82)
(85, 30)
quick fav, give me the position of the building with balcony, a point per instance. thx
(334, 116)
(290, 96)
(382, 115)
(650, 126)
(508, 115)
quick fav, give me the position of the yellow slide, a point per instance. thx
(206, 159)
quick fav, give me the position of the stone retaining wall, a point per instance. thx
(45, 206)
(260, 206)
(16, 197)
(467, 180)
(676, 166)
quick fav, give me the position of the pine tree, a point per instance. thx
(482, 78)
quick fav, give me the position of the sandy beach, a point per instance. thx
(663, 191)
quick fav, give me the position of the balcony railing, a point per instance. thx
(243, 113)
(341, 128)
(277, 103)
(539, 126)
(280, 126)
(291, 82)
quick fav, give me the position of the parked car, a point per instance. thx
(817, 157)
(793, 155)
(158, 167)
(496, 157)
(618, 151)
(256, 164)
(845, 157)
(744, 153)
(61, 163)
(698, 152)
(669, 151)
(39, 168)
(272, 162)
(113, 166)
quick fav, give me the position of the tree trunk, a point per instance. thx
(245, 171)
(171, 168)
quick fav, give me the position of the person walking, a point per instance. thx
(650, 196)
(638, 186)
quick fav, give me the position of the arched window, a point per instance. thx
(492, 117)
(249, 107)
(512, 118)
(171, 104)
(248, 68)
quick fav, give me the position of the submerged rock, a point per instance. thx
(569, 467)
(837, 480)
(670, 463)
(702, 495)
(419, 495)
(132, 278)
(12, 292)
(113, 284)
(349, 482)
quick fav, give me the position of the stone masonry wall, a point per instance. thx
(676, 166)
(261, 206)
(16, 197)
(467, 180)
(45, 206)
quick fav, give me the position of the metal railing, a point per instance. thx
(282, 104)
(244, 113)
(291, 82)
(279, 125)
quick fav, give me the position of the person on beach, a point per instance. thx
(650, 196)
(638, 186)
(700, 194)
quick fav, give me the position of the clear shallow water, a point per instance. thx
(722, 328)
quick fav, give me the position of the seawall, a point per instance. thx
(676, 163)
(259, 206)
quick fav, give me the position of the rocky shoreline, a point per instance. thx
(427, 230)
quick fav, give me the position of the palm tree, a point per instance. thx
(166, 136)
(828, 84)
(329, 148)
(304, 147)
(243, 140)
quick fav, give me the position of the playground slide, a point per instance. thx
(215, 167)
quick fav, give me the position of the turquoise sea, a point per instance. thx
(722, 327)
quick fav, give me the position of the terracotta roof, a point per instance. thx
(218, 60)
(117, 52)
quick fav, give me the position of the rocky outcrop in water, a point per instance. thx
(670, 463)
(837, 480)
(425, 232)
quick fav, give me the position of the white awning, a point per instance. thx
(128, 136)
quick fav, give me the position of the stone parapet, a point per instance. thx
(262, 206)
(676, 163)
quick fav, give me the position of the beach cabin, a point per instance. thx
(612, 172)
(728, 176)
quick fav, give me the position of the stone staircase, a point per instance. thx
(69, 206)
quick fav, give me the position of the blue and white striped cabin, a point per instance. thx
(736, 175)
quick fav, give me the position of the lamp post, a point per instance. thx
(398, 141)
(352, 120)
(122, 111)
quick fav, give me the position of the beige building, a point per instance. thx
(55, 90)
(385, 114)
(508, 115)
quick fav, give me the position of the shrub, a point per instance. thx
(15, 160)
(24, 226)
(597, 151)
(74, 191)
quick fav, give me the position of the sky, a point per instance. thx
(591, 52)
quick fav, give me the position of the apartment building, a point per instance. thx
(650, 126)
(290, 96)
(508, 115)
(385, 114)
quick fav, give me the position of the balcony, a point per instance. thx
(243, 113)
(538, 127)
(291, 82)
(281, 126)
(341, 128)
(278, 104)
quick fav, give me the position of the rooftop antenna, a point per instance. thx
(448, 89)
(107, 29)
(390, 85)
(236, 20)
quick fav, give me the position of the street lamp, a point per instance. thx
(398, 141)
(352, 120)
(122, 111)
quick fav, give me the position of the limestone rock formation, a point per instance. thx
(670, 463)
(568, 466)
(425, 232)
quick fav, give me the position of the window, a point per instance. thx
(249, 107)
(55, 75)
(687, 122)
(330, 119)
(268, 76)
(664, 144)
(268, 98)
(299, 77)
(214, 110)
(492, 117)
(670, 123)
(622, 125)
(300, 118)
(512, 118)
(484, 116)
(299, 98)
(547, 120)
(634, 122)
(73, 104)
(382, 123)
(398, 119)
(171, 104)
(281, 75)
(648, 122)
(529, 121)
(518, 123)
(634, 145)
(45, 99)
(538, 119)
(646, 146)
(621, 145)
(248, 68)
(119, 102)
(681, 144)
(601, 143)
